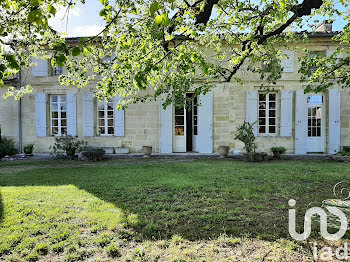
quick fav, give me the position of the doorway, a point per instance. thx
(315, 124)
(186, 125)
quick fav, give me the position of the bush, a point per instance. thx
(91, 154)
(7, 147)
(343, 153)
(28, 149)
(67, 144)
(278, 151)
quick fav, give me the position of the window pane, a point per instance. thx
(101, 122)
(272, 105)
(110, 130)
(64, 122)
(262, 105)
(54, 98)
(54, 106)
(110, 122)
(110, 106)
(309, 112)
(179, 111)
(101, 114)
(272, 129)
(179, 120)
(195, 120)
(63, 130)
(110, 114)
(54, 114)
(309, 122)
(64, 107)
(272, 97)
(195, 130)
(262, 97)
(55, 130)
(272, 113)
(318, 131)
(272, 121)
(313, 131)
(63, 98)
(179, 130)
(262, 113)
(101, 130)
(262, 129)
(55, 122)
(63, 114)
(101, 106)
(262, 121)
(195, 110)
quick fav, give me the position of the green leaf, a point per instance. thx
(35, 3)
(35, 16)
(154, 7)
(158, 20)
(51, 10)
(76, 51)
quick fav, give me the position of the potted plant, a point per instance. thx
(278, 151)
(223, 151)
(28, 149)
(67, 144)
(147, 151)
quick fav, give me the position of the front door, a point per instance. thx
(315, 124)
(186, 126)
(180, 129)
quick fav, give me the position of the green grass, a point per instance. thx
(73, 211)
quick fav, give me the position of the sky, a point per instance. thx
(84, 20)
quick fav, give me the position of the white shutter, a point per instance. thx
(252, 109)
(40, 114)
(72, 114)
(41, 68)
(334, 121)
(286, 113)
(166, 128)
(300, 123)
(88, 114)
(119, 115)
(288, 62)
(205, 123)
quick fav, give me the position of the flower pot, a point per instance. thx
(223, 151)
(147, 151)
(277, 154)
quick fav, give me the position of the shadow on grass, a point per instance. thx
(200, 199)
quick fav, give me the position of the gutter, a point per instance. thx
(19, 115)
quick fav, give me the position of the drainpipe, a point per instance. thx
(19, 116)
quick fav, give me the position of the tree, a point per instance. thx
(156, 48)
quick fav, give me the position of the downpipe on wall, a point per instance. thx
(19, 115)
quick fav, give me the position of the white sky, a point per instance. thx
(84, 20)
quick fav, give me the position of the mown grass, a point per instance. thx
(69, 211)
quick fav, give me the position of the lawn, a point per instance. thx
(157, 210)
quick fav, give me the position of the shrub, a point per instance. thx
(246, 135)
(42, 248)
(7, 147)
(344, 153)
(278, 151)
(113, 250)
(28, 149)
(91, 154)
(67, 144)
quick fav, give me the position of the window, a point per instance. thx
(105, 118)
(267, 120)
(58, 70)
(58, 113)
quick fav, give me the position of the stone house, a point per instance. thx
(303, 123)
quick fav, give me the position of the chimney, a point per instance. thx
(325, 27)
